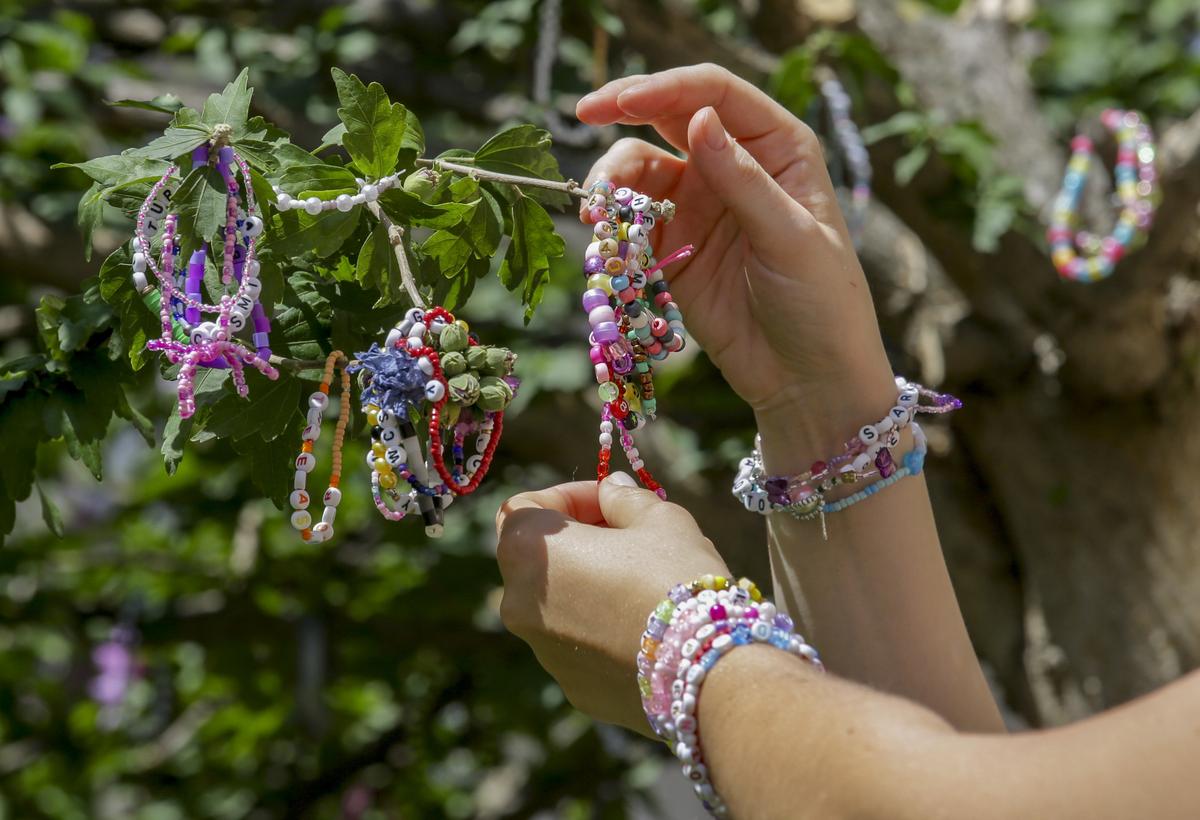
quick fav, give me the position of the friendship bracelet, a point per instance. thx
(623, 279)
(687, 634)
(851, 149)
(432, 365)
(865, 456)
(186, 340)
(1082, 256)
(306, 461)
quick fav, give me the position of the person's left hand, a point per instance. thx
(584, 564)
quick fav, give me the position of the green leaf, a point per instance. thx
(175, 142)
(902, 122)
(907, 166)
(375, 126)
(50, 512)
(297, 233)
(231, 106)
(325, 181)
(408, 208)
(201, 203)
(118, 168)
(267, 411)
(137, 323)
(533, 244)
(378, 269)
(301, 330)
(162, 104)
(524, 150)
(22, 426)
(209, 386)
(414, 135)
(332, 137)
(448, 250)
(271, 462)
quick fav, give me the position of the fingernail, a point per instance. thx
(621, 479)
(627, 99)
(714, 133)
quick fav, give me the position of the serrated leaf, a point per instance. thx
(325, 181)
(136, 321)
(332, 137)
(301, 330)
(296, 233)
(201, 203)
(533, 244)
(118, 168)
(209, 386)
(50, 512)
(448, 251)
(22, 426)
(408, 208)
(175, 142)
(375, 127)
(271, 463)
(231, 106)
(524, 150)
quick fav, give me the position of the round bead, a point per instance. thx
(301, 519)
(322, 531)
(435, 391)
(867, 434)
(283, 202)
(370, 193)
(305, 462)
(609, 391)
(396, 455)
(387, 480)
(299, 499)
(389, 436)
(252, 227)
(318, 401)
(312, 206)
(333, 497)
(344, 203)
(474, 463)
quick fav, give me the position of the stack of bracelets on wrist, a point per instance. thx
(186, 339)
(1082, 256)
(306, 461)
(624, 285)
(868, 455)
(686, 635)
(431, 366)
(851, 153)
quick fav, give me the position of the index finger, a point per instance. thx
(667, 100)
(576, 500)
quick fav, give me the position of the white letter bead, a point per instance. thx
(299, 499)
(447, 500)
(474, 463)
(396, 456)
(333, 497)
(884, 424)
(306, 462)
(694, 675)
(766, 610)
(311, 432)
(706, 598)
(686, 723)
(393, 337)
(690, 647)
(322, 532)
(389, 436)
(900, 415)
(140, 283)
(640, 203)
(237, 322)
(435, 390)
(386, 417)
(301, 480)
(677, 689)
(329, 515)
(139, 261)
(689, 706)
(318, 401)
(721, 641)
(868, 434)
(705, 632)
(301, 519)
(908, 398)
(252, 286)
(760, 631)
(418, 329)
(426, 365)
(861, 462)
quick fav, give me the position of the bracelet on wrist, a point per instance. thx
(866, 456)
(686, 635)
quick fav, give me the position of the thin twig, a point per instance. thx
(570, 186)
(396, 238)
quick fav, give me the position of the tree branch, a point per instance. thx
(396, 238)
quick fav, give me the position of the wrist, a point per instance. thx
(802, 423)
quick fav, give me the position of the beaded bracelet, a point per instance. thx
(851, 151)
(1082, 256)
(623, 278)
(686, 635)
(306, 461)
(186, 339)
(867, 455)
(430, 364)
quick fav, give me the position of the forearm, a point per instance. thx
(875, 596)
(781, 740)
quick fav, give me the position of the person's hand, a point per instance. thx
(584, 564)
(775, 294)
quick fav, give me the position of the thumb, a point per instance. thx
(624, 504)
(764, 210)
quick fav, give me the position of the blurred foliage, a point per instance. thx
(368, 677)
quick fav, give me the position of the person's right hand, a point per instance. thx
(774, 294)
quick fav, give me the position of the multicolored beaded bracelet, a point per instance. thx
(430, 365)
(1082, 256)
(306, 462)
(708, 619)
(623, 280)
(186, 339)
(851, 153)
(867, 455)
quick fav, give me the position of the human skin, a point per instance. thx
(776, 298)
(583, 565)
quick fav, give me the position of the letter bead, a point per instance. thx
(299, 500)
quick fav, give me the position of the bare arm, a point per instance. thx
(783, 741)
(778, 300)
